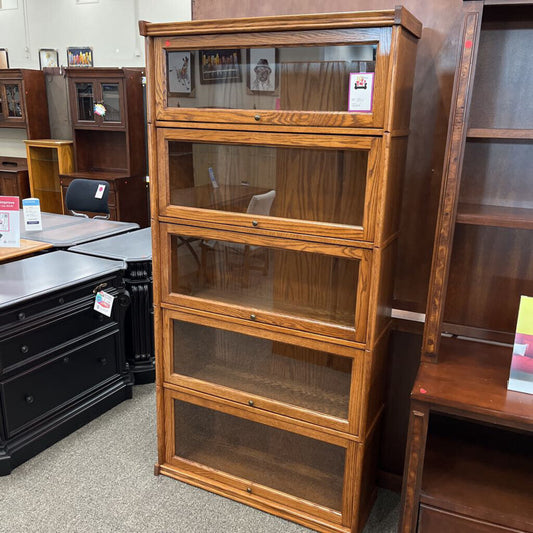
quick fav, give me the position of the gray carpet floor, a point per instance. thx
(100, 479)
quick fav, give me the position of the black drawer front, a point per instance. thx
(58, 300)
(14, 351)
(36, 393)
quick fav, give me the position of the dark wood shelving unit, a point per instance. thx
(468, 464)
(111, 147)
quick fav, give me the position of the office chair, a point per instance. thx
(260, 204)
(88, 195)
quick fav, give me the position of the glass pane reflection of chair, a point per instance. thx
(238, 259)
(88, 195)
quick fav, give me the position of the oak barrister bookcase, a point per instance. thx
(275, 220)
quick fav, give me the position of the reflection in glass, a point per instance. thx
(111, 101)
(85, 99)
(299, 78)
(291, 374)
(14, 106)
(313, 286)
(296, 183)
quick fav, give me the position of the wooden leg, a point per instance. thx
(414, 462)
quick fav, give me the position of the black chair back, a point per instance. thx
(88, 195)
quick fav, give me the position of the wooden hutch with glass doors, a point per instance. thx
(277, 149)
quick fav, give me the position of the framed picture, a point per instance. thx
(4, 61)
(79, 57)
(180, 73)
(220, 66)
(48, 58)
(263, 71)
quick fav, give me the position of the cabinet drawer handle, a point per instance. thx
(251, 403)
(24, 348)
(103, 361)
(99, 287)
(61, 301)
(252, 317)
(21, 315)
(254, 223)
(66, 359)
(257, 117)
(249, 490)
(29, 398)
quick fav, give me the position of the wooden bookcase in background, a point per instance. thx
(47, 160)
(23, 103)
(111, 147)
(275, 222)
(468, 461)
(23, 106)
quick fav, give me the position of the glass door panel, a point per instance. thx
(111, 102)
(293, 464)
(286, 373)
(13, 107)
(85, 101)
(293, 183)
(318, 289)
(297, 78)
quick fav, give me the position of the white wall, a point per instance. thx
(110, 27)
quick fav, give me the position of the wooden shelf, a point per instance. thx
(495, 133)
(471, 378)
(493, 215)
(486, 477)
(303, 467)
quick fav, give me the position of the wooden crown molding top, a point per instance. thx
(360, 19)
(47, 142)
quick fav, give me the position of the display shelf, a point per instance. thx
(484, 477)
(313, 380)
(493, 133)
(493, 215)
(47, 159)
(284, 461)
(472, 375)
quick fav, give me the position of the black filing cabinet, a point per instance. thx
(61, 362)
(135, 249)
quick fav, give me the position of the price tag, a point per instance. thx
(9, 222)
(32, 214)
(100, 191)
(103, 303)
(361, 92)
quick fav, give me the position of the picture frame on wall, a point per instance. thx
(262, 71)
(48, 58)
(4, 60)
(220, 66)
(180, 73)
(80, 56)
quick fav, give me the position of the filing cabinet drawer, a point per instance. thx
(48, 335)
(39, 392)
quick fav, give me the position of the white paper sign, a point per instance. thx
(103, 303)
(32, 214)
(9, 222)
(100, 191)
(361, 92)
